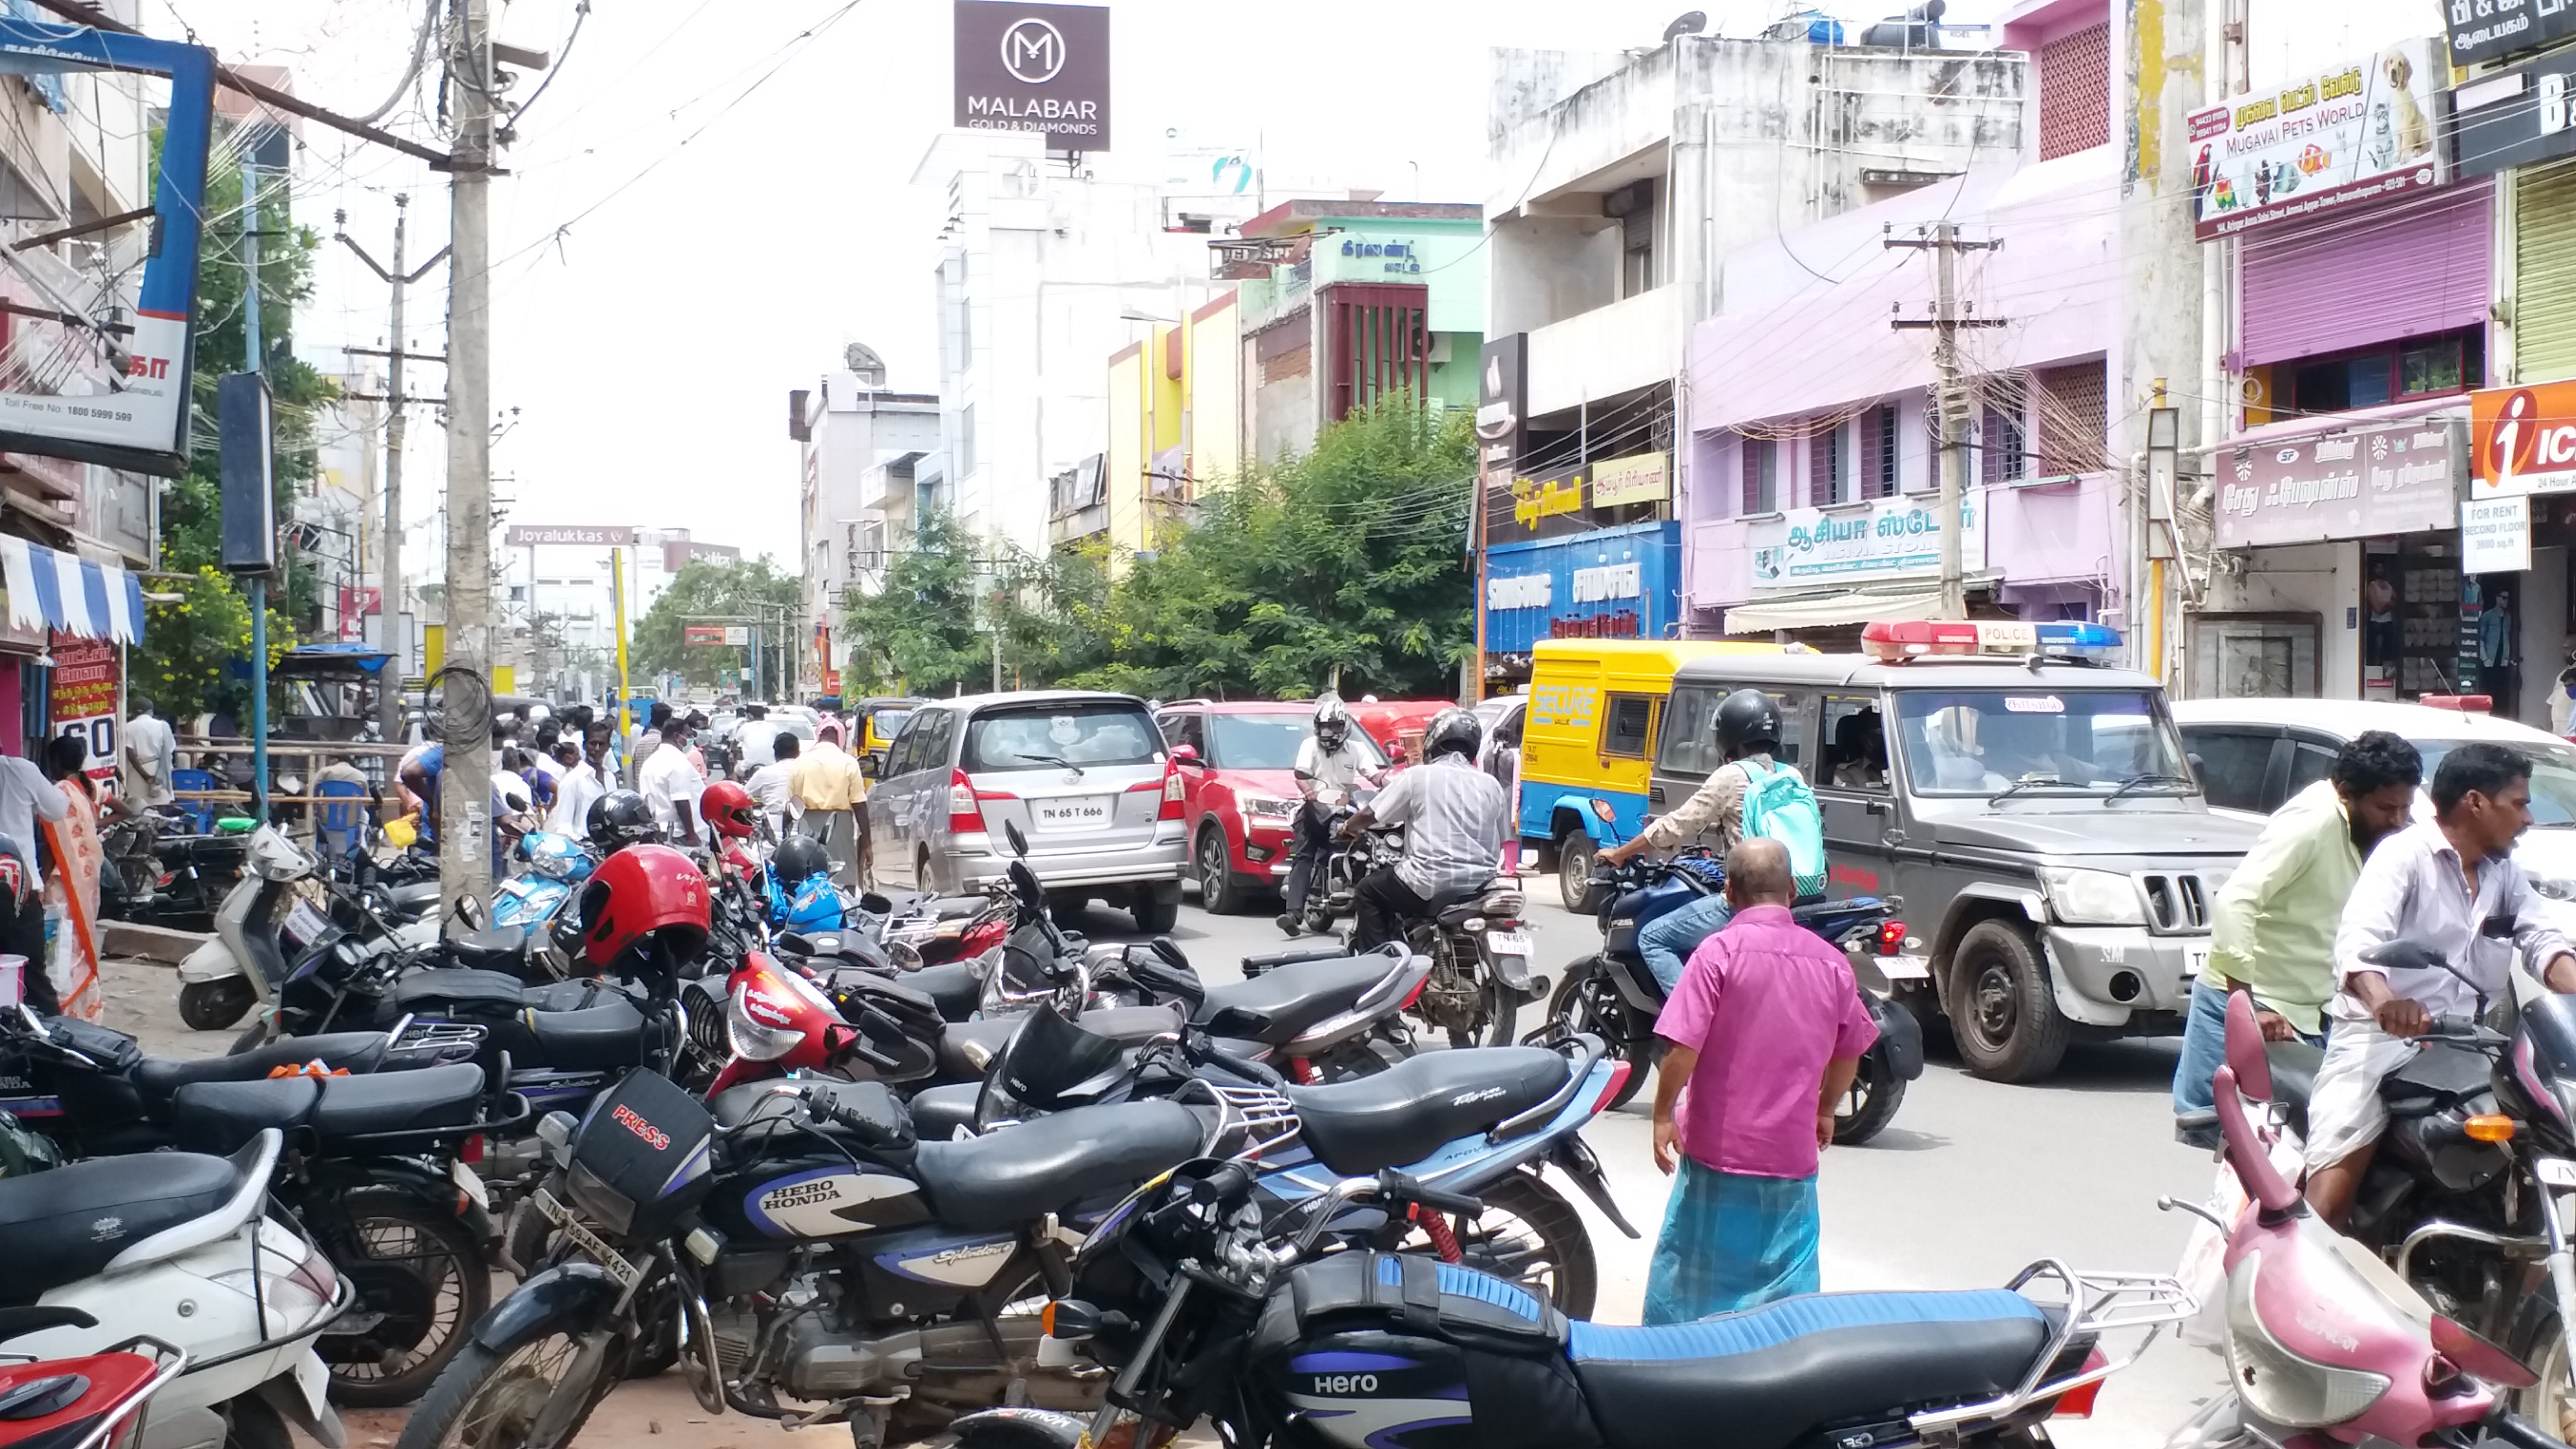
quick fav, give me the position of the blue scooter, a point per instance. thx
(1614, 995)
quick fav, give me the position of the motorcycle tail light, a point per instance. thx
(472, 1152)
(2077, 1403)
(1619, 1074)
(1891, 938)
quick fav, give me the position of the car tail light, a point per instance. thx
(2077, 1403)
(1891, 938)
(965, 803)
(1175, 793)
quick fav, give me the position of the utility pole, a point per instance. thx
(465, 796)
(390, 636)
(255, 349)
(1952, 399)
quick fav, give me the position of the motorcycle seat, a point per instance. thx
(967, 1048)
(2294, 1076)
(1280, 1004)
(952, 985)
(573, 995)
(1479, 902)
(603, 1036)
(501, 948)
(1261, 963)
(1774, 1375)
(1403, 1114)
(221, 1116)
(158, 1078)
(413, 901)
(447, 990)
(66, 1224)
(937, 1112)
(1020, 1174)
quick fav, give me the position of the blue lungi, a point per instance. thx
(1730, 1242)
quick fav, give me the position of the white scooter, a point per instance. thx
(179, 1246)
(263, 924)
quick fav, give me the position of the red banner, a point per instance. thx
(702, 634)
(81, 700)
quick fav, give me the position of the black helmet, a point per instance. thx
(1332, 720)
(619, 819)
(1746, 719)
(1452, 731)
(798, 859)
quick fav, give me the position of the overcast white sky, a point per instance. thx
(683, 241)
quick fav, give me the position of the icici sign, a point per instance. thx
(2522, 440)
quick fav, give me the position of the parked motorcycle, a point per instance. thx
(180, 1246)
(1477, 946)
(2325, 1343)
(1615, 994)
(84, 1402)
(161, 873)
(281, 907)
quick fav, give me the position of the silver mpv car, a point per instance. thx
(1084, 775)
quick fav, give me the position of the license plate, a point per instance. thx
(306, 924)
(626, 1273)
(2195, 960)
(1904, 968)
(1508, 943)
(1072, 814)
(2557, 1172)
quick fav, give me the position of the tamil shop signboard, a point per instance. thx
(2394, 478)
(1617, 583)
(1891, 538)
(2514, 117)
(2360, 132)
(2483, 30)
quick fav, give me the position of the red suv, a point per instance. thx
(1238, 771)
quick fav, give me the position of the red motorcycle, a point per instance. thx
(95, 1401)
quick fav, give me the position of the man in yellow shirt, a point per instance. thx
(2274, 925)
(827, 783)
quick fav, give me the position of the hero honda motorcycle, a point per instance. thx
(1204, 1305)
(2325, 1342)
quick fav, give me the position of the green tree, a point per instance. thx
(741, 591)
(918, 630)
(186, 660)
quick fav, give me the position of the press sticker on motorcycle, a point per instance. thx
(2034, 704)
(1063, 729)
(654, 1137)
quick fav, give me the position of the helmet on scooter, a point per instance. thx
(1332, 721)
(798, 859)
(646, 908)
(813, 906)
(619, 819)
(1452, 731)
(729, 810)
(1747, 723)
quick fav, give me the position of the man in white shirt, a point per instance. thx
(576, 787)
(770, 783)
(151, 753)
(671, 785)
(26, 797)
(1330, 763)
(755, 738)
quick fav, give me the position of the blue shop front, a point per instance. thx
(1621, 582)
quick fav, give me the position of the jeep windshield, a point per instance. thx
(2039, 741)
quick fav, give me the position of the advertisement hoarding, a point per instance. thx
(1893, 538)
(542, 535)
(704, 634)
(2522, 440)
(2483, 30)
(1042, 68)
(2518, 116)
(1622, 481)
(2365, 483)
(2358, 133)
(81, 700)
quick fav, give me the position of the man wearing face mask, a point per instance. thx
(2272, 931)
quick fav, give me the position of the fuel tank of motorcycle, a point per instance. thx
(2538, 1080)
(1639, 909)
(822, 1195)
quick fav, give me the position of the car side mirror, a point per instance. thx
(1186, 756)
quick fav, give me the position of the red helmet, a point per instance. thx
(644, 896)
(729, 809)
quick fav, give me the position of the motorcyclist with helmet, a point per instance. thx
(1456, 823)
(1329, 765)
(1747, 724)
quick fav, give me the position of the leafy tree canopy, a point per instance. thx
(704, 591)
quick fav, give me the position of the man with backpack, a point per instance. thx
(1751, 796)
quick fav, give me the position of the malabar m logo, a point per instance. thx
(1033, 51)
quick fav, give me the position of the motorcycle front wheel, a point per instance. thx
(2540, 1341)
(214, 1005)
(488, 1400)
(1585, 1001)
(421, 1281)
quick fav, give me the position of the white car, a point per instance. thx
(2253, 754)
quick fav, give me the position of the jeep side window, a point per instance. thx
(1628, 725)
(1855, 744)
(1690, 733)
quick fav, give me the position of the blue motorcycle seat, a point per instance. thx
(1775, 1374)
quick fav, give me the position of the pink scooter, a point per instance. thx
(2325, 1343)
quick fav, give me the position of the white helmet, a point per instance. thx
(1332, 720)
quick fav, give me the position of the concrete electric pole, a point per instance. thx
(1952, 399)
(390, 636)
(465, 789)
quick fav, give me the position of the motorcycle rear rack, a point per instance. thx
(443, 1040)
(2095, 1303)
(1262, 1117)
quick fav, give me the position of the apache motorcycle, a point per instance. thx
(373, 1167)
(1615, 993)
(1204, 1304)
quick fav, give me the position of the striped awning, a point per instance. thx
(50, 588)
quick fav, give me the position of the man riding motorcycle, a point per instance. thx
(1329, 765)
(1456, 824)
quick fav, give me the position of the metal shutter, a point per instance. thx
(2417, 267)
(2544, 273)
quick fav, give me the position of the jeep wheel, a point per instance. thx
(1574, 868)
(2001, 1011)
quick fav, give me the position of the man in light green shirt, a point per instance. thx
(2274, 925)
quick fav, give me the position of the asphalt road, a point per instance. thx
(1971, 1183)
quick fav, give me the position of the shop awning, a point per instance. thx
(52, 589)
(1825, 611)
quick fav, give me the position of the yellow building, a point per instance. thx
(1175, 423)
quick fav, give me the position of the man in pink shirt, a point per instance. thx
(1762, 1038)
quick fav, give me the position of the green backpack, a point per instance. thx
(22, 1151)
(1779, 806)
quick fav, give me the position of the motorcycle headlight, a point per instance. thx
(2279, 1385)
(2093, 897)
(753, 1039)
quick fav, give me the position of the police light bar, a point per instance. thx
(1890, 642)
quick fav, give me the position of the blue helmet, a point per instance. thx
(815, 905)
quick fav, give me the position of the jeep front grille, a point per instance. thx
(2176, 902)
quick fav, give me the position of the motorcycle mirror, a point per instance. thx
(2245, 1048)
(2479, 1358)
(1170, 950)
(1011, 833)
(2405, 956)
